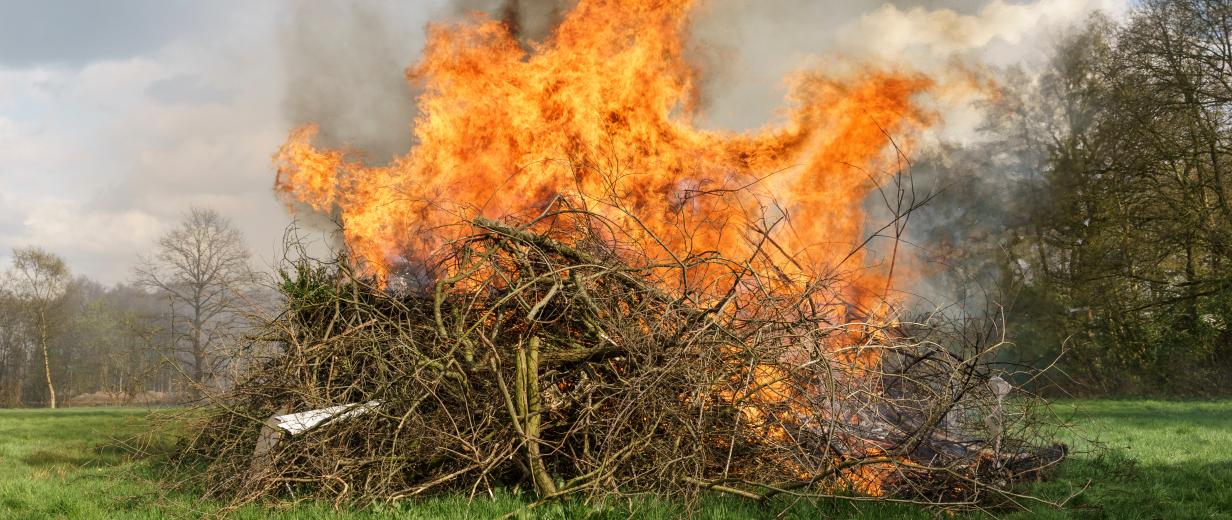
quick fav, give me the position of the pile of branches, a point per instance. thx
(540, 356)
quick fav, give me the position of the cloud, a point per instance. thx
(185, 89)
(102, 243)
(100, 158)
(72, 34)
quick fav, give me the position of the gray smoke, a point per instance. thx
(529, 20)
(344, 65)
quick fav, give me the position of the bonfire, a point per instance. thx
(566, 285)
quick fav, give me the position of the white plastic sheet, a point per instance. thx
(297, 423)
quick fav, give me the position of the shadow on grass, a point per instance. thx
(81, 413)
(1122, 487)
(105, 455)
(1150, 418)
(41, 458)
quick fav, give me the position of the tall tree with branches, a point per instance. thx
(40, 278)
(202, 267)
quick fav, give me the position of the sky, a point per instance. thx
(117, 116)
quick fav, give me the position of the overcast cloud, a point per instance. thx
(116, 116)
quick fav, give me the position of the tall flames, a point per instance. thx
(635, 302)
(602, 113)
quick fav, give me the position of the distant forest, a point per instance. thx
(172, 334)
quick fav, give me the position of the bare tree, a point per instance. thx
(202, 267)
(40, 278)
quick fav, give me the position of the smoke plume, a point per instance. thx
(344, 66)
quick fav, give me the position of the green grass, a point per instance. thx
(1142, 459)
(1159, 459)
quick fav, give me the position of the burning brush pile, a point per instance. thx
(565, 285)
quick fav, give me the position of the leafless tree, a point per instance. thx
(202, 267)
(40, 278)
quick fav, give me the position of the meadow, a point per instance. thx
(1135, 459)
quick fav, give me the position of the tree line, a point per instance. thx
(1098, 208)
(167, 335)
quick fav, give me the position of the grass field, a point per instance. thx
(1155, 459)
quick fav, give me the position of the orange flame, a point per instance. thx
(603, 111)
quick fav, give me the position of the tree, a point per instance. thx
(14, 343)
(109, 343)
(1114, 239)
(40, 279)
(202, 268)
